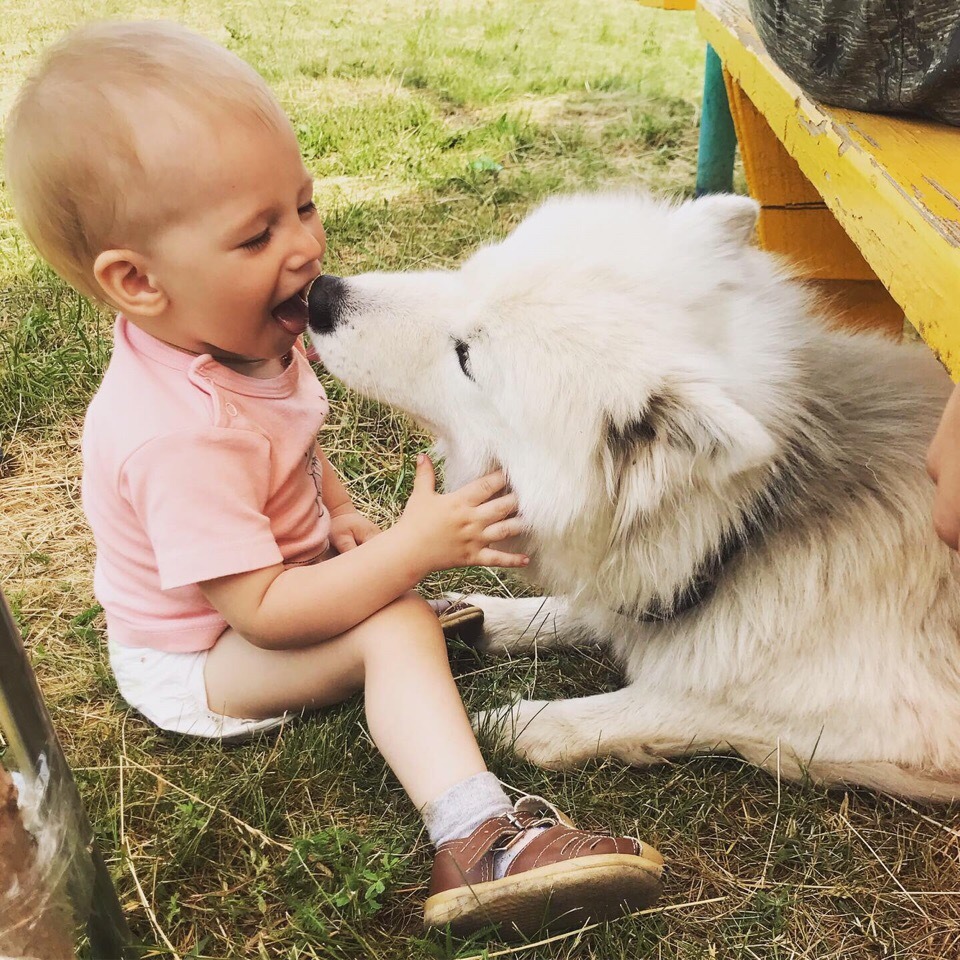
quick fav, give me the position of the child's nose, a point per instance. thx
(310, 244)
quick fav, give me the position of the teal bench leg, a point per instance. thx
(718, 140)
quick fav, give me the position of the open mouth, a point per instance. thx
(292, 313)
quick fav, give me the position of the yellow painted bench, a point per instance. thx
(669, 4)
(866, 205)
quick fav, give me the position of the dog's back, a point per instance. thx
(836, 624)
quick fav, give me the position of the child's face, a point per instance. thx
(235, 264)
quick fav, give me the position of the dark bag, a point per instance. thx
(886, 56)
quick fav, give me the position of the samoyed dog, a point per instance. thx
(722, 490)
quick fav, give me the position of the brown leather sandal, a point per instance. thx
(562, 877)
(459, 618)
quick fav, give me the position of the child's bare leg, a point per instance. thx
(398, 656)
(495, 864)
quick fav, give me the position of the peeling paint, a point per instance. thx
(843, 135)
(943, 192)
(949, 230)
(865, 136)
(814, 129)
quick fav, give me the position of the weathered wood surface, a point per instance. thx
(669, 4)
(893, 184)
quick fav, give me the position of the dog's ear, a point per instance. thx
(726, 219)
(686, 434)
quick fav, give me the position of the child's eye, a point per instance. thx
(255, 243)
(307, 209)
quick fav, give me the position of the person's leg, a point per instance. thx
(398, 657)
(516, 867)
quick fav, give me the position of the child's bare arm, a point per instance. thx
(348, 527)
(285, 608)
(335, 496)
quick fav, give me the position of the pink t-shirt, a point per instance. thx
(192, 471)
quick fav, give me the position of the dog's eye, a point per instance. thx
(463, 355)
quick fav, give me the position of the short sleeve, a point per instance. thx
(200, 496)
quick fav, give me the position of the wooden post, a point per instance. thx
(718, 141)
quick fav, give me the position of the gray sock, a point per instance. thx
(460, 810)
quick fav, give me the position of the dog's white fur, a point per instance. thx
(655, 387)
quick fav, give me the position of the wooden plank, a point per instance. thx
(893, 184)
(794, 220)
(669, 4)
(814, 241)
(773, 175)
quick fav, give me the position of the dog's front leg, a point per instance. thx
(527, 624)
(629, 724)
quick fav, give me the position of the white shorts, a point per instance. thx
(169, 690)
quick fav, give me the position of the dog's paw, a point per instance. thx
(534, 730)
(507, 625)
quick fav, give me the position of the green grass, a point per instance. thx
(433, 127)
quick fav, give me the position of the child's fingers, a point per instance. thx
(498, 558)
(499, 509)
(343, 542)
(368, 533)
(503, 530)
(425, 477)
(479, 491)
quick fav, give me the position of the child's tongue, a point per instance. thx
(292, 315)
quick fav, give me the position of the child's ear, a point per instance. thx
(124, 279)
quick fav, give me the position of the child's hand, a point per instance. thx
(456, 529)
(350, 529)
(943, 465)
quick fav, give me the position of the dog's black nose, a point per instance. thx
(325, 303)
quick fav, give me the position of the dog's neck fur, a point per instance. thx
(793, 489)
(775, 499)
(751, 524)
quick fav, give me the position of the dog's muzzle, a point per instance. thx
(325, 300)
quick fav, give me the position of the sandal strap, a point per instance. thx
(530, 803)
(561, 843)
(469, 860)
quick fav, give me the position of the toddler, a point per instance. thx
(156, 172)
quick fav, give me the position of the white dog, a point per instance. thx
(727, 493)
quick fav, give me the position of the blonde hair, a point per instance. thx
(78, 183)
